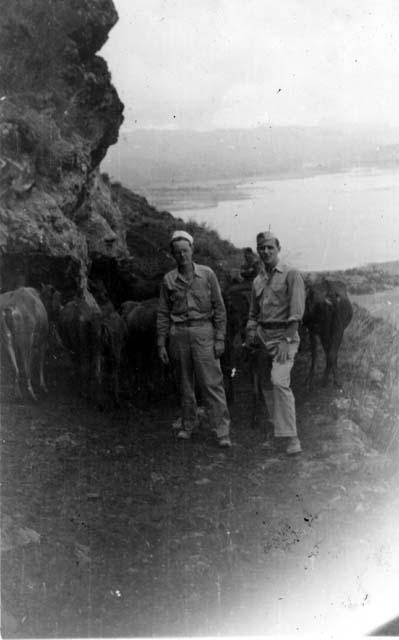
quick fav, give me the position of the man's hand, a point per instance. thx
(163, 354)
(250, 339)
(282, 351)
(219, 348)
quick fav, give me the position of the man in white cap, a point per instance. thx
(277, 306)
(192, 318)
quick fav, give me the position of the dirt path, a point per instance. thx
(114, 528)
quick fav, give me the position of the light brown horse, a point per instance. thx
(24, 332)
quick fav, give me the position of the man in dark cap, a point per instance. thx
(192, 318)
(250, 266)
(277, 306)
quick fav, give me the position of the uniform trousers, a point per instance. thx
(191, 349)
(284, 416)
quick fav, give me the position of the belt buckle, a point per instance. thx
(273, 325)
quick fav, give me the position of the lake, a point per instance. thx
(328, 221)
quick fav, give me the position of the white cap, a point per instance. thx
(182, 235)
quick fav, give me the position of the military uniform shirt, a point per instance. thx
(278, 297)
(198, 299)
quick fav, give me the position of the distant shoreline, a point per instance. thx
(206, 194)
(357, 205)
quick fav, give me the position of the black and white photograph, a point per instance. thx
(199, 318)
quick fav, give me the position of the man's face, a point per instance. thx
(268, 252)
(182, 252)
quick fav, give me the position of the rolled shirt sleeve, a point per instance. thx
(163, 316)
(296, 293)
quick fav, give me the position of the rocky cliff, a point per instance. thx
(58, 115)
(61, 220)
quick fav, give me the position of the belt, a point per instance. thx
(192, 323)
(273, 325)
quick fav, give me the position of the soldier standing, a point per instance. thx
(276, 308)
(192, 317)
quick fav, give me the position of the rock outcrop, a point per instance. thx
(61, 220)
(58, 115)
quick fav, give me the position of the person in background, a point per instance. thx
(250, 267)
(276, 308)
(192, 321)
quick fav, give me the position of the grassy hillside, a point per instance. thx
(391, 268)
(149, 232)
(368, 279)
(371, 355)
(382, 304)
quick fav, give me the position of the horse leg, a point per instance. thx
(13, 359)
(27, 364)
(115, 374)
(42, 357)
(334, 359)
(330, 346)
(98, 374)
(313, 352)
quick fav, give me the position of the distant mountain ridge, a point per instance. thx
(151, 157)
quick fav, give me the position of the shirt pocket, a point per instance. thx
(258, 289)
(278, 293)
(201, 298)
(178, 300)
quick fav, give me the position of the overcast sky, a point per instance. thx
(203, 64)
